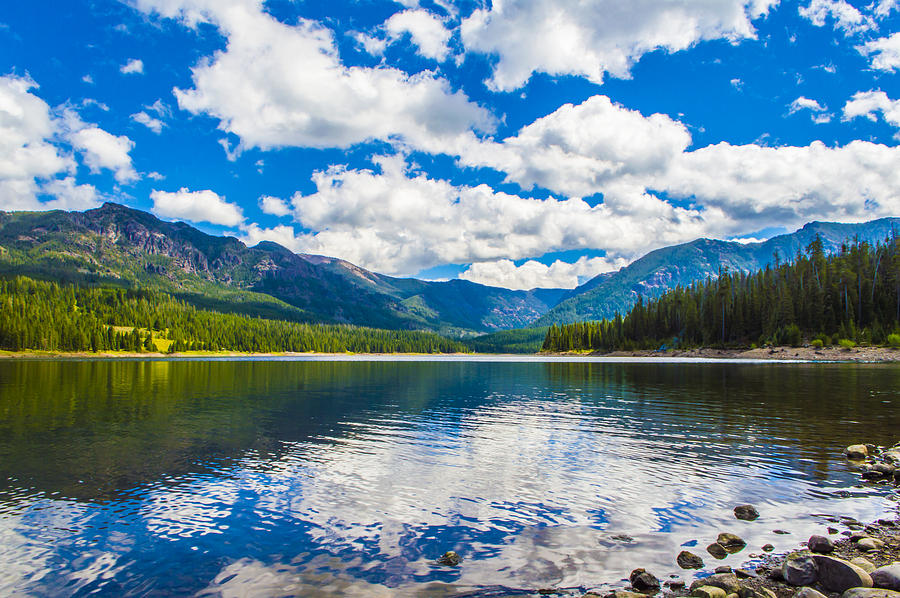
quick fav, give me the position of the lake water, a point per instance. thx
(349, 478)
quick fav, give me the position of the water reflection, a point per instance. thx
(349, 478)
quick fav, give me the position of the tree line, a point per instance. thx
(49, 316)
(851, 296)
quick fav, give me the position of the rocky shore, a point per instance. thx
(856, 354)
(861, 562)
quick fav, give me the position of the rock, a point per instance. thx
(622, 538)
(675, 584)
(730, 541)
(856, 452)
(887, 577)
(777, 574)
(831, 530)
(732, 596)
(449, 559)
(838, 575)
(717, 551)
(768, 548)
(643, 581)
(745, 574)
(808, 593)
(892, 456)
(751, 592)
(870, 593)
(689, 560)
(708, 592)
(627, 594)
(746, 512)
(723, 569)
(820, 544)
(870, 544)
(864, 564)
(726, 581)
(884, 469)
(780, 532)
(800, 571)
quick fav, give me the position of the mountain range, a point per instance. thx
(121, 246)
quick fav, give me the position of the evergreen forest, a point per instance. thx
(849, 297)
(48, 316)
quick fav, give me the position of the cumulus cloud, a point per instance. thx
(425, 29)
(578, 150)
(885, 7)
(30, 161)
(869, 104)
(101, 149)
(595, 37)
(533, 274)
(846, 17)
(819, 113)
(154, 124)
(274, 206)
(279, 85)
(883, 53)
(196, 206)
(132, 67)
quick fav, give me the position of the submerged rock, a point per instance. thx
(820, 544)
(856, 451)
(768, 548)
(838, 575)
(689, 560)
(746, 512)
(449, 559)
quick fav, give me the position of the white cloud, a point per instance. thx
(884, 8)
(372, 45)
(533, 274)
(846, 17)
(869, 103)
(590, 38)
(578, 150)
(132, 67)
(426, 30)
(274, 206)
(154, 124)
(68, 195)
(279, 85)
(884, 53)
(196, 206)
(88, 79)
(819, 113)
(102, 149)
(285, 236)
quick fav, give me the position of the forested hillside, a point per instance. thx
(852, 295)
(49, 316)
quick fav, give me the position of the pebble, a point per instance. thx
(768, 548)
(449, 559)
(746, 512)
(689, 560)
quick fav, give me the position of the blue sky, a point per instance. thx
(519, 143)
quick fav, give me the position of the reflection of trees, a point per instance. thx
(91, 429)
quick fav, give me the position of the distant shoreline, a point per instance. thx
(780, 354)
(830, 354)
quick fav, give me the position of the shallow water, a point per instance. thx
(335, 477)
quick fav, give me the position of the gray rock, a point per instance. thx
(726, 541)
(870, 544)
(723, 569)
(884, 469)
(751, 592)
(856, 451)
(864, 564)
(838, 575)
(768, 548)
(820, 544)
(745, 574)
(892, 456)
(808, 593)
(800, 571)
(717, 551)
(870, 593)
(449, 559)
(887, 577)
(627, 594)
(642, 581)
(726, 581)
(746, 512)
(708, 592)
(689, 560)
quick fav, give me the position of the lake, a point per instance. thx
(349, 477)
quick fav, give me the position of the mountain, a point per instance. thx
(666, 268)
(122, 246)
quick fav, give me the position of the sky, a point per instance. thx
(515, 143)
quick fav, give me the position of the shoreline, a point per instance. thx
(825, 354)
